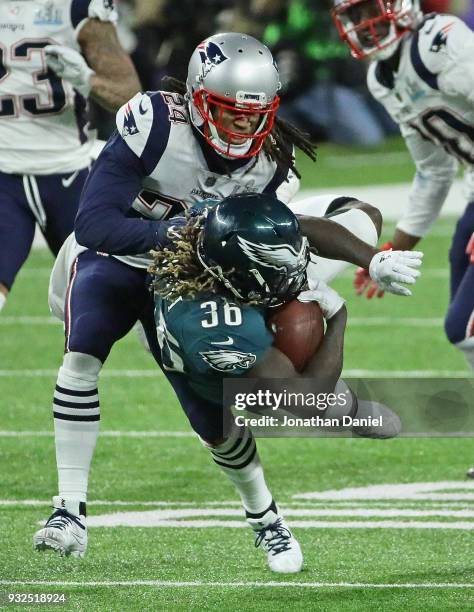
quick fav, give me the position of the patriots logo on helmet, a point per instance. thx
(211, 55)
(129, 123)
(224, 361)
(279, 257)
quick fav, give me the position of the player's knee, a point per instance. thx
(343, 204)
(362, 220)
(455, 326)
(374, 214)
(80, 362)
(462, 234)
(213, 443)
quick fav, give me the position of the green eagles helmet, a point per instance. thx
(252, 243)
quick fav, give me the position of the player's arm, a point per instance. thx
(102, 69)
(334, 241)
(324, 368)
(114, 79)
(435, 173)
(103, 222)
(387, 269)
(435, 168)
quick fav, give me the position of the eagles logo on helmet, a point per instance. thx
(252, 243)
(374, 28)
(233, 73)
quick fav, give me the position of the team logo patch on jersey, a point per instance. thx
(279, 257)
(211, 55)
(441, 38)
(129, 123)
(48, 14)
(224, 361)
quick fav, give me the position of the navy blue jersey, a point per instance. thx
(210, 338)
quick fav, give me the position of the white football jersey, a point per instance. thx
(157, 129)
(431, 97)
(43, 123)
(432, 93)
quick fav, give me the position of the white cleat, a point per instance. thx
(65, 531)
(284, 554)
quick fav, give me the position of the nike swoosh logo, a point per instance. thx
(67, 182)
(227, 342)
(140, 108)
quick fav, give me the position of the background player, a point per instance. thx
(45, 141)
(423, 73)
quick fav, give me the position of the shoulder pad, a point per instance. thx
(144, 125)
(431, 46)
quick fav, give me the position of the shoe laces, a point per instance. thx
(62, 519)
(275, 536)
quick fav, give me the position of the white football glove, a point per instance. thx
(69, 65)
(389, 268)
(329, 300)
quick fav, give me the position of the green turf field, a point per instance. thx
(166, 529)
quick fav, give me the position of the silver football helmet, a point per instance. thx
(233, 75)
(374, 28)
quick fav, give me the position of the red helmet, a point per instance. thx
(373, 28)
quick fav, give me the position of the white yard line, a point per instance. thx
(148, 373)
(156, 373)
(392, 198)
(302, 524)
(445, 505)
(237, 584)
(28, 320)
(106, 434)
(407, 374)
(150, 517)
(391, 322)
(354, 321)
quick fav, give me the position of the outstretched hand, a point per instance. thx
(390, 268)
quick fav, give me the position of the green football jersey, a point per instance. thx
(210, 338)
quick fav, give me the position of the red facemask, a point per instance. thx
(211, 109)
(370, 26)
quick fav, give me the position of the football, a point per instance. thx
(298, 328)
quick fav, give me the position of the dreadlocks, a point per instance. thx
(279, 145)
(177, 271)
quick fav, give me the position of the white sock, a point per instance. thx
(238, 459)
(76, 422)
(467, 347)
(3, 300)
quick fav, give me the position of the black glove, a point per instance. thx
(167, 232)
